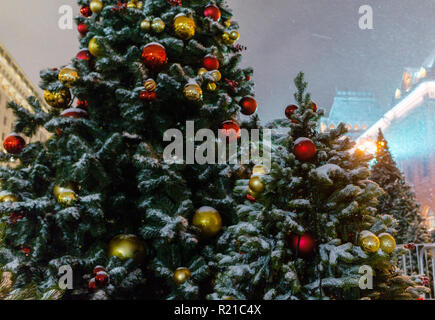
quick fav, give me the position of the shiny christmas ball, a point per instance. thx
(145, 25)
(257, 185)
(290, 110)
(57, 190)
(216, 75)
(131, 4)
(96, 6)
(154, 56)
(234, 35)
(193, 92)
(95, 48)
(92, 285)
(208, 221)
(148, 95)
(304, 149)
(249, 105)
(139, 5)
(158, 25)
(181, 275)
(259, 170)
(84, 55)
(74, 113)
(98, 269)
(210, 63)
(226, 38)
(127, 246)
(387, 243)
(67, 198)
(57, 99)
(82, 29)
(86, 11)
(249, 197)
(8, 198)
(314, 106)
(102, 278)
(184, 27)
(212, 12)
(68, 77)
(150, 85)
(369, 242)
(307, 243)
(202, 71)
(253, 194)
(227, 23)
(14, 143)
(211, 86)
(230, 129)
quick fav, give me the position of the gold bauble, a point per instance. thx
(8, 198)
(57, 190)
(184, 27)
(158, 25)
(150, 85)
(227, 23)
(127, 246)
(202, 71)
(67, 198)
(131, 4)
(68, 77)
(95, 48)
(208, 220)
(227, 39)
(145, 25)
(259, 170)
(369, 242)
(256, 185)
(57, 99)
(193, 92)
(96, 6)
(139, 5)
(387, 243)
(234, 35)
(181, 275)
(211, 86)
(216, 75)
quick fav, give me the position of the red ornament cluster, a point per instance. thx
(304, 149)
(230, 129)
(175, 3)
(306, 242)
(26, 251)
(290, 110)
(211, 62)
(314, 106)
(154, 56)
(100, 279)
(14, 143)
(86, 11)
(231, 84)
(410, 246)
(15, 217)
(212, 12)
(148, 95)
(249, 105)
(119, 7)
(82, 104)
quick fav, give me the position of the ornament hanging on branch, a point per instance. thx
(158, 25)
(127, 246)
(230, 129)
(154, 56)
(82, 104)
(304, 149)
(303, 245)
(193, 92)
(148, 95)
(86, 11)
(145, 25)
(67, 198)
(314, 106)
(57, 99)
(14, 143)
(175, 3)
(210, 62)
(369, 242)
(249, 105)
(181, 275)
(84, 55)
(96, 6)
(82, 29)
(95, 48)
(150, 85)
(211, 86)
(256, 185)
(208, 221)
(387, 243)
(68, 77)
(184, 27)
(9, 197)
(76, 113)
(213, 12)
(290, 110)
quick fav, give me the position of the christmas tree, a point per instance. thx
(308, 229)
(399, 199)
(99, 198)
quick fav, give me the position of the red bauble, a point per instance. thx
(74, 113)
(84, 55)
(314, 106)
(211, 62)
(307, 244)
(213, 12)
(304, 149)
(250, 198)
(26, 250)
(290, 110)
(102, 278)
(82, 104)
(86, 11)
(231, 129)
(148, 96)
(420, 298)
(82, 29)
(249, 105)
(99, 269)
(154, 56)
(92, 285)
(14, 143)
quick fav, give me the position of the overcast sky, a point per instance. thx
(319, 37)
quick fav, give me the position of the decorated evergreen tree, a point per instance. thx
(399, 199)
(307, 227)
(98, 197)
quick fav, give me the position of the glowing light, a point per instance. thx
(398, 94)
(367, 146)
(422, 73)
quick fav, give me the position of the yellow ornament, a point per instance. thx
(96, 6)
(227, 23)
(131, 4)
(256, 185)
(57, 190)
(150, 85)
(139, 5)
(8, 198)
(57, 99)
(216, 75)
(226, 37)
(387, 243)
(181, 275)
(208, 220)
(67, 198)
(211, 86)
(145, 25)
(369, 242)
(202, 71)
(95, 48)
(193, 92)
(127, 246)
(68, 77)
(158, 25)
(234, 35)
(184, 27)
(259, 170)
